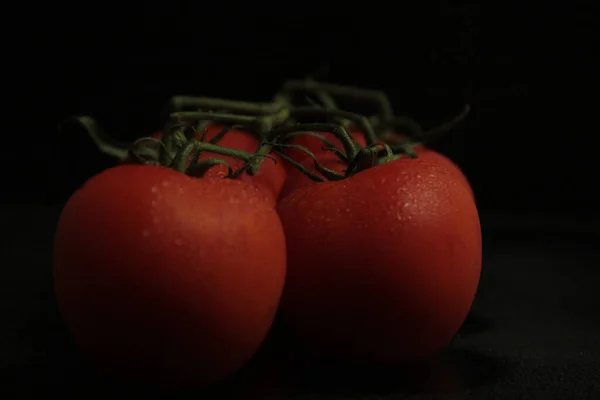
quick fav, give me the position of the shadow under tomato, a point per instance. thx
(474, 324)
(280, 369)
(450, 372)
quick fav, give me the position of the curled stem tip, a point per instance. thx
(447, 126)
(103, 142)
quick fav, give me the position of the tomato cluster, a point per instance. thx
(171, 266)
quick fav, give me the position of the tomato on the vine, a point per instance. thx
(384, 265)
(165, 278)
(271, 176)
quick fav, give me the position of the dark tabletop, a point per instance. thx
(534, 331)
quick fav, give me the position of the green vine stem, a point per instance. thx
(182, 103)
(375, 96)
(409, 125)
(146, 150)
(329, 174)
(181, 119)
(415, 135)
(436, 132)
(278, 134)
(104, 143)
(328, 145)
(181, 159)
(260, 124)
(360, 120)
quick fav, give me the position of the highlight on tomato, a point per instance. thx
(167, 278)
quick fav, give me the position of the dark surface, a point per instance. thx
(534, 331)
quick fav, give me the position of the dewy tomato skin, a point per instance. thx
(382, 267)
(168, 279)
(424, 152)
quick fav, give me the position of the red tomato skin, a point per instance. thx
(271, 176)
(382, 267)
(425, 152)
(315, 145)
(167, 279)
(422, 150)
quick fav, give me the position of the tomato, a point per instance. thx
(382, 266)
(271, 176)
(315, 145)
(165, 278)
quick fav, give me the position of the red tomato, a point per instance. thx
(315, 145)
(165, 278)
(271, 176)
(382, 266)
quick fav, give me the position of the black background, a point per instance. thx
(528, 147)
(529, 74)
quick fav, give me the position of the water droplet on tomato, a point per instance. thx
(399, 216)
(154, 189)
(178, 242)
(145, 233)
(155, 220)
(165, 183)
